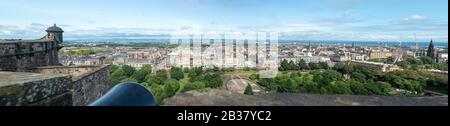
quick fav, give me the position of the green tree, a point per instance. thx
(302, 65)
(147, 68)
(248, 90)
(292, 66)
(158, 92)
(341, 87)
(195, 74)
(213, 80)
(287, 86)
(186, 70)
(171, 87)
(358, 88)
(176, 73)
(403, 64)
(313, 66)
(344, 68)
(390, 60)
(284, 65)
(117, 76)
(194, 86)
(358, 76)
(269, 83)
(129, 80)
(323, 65)
(441, 66)
(331, 75)
(385, 87)
(151, 79)
(378, 88)
(129, 71)
(310, 87)
(427, 60)
(113, 68)
(141, 74)
(161, 76)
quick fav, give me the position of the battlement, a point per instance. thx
(31, 75)
(22, 55)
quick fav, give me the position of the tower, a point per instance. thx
(416, 48)
(431, 50)
(54, 33)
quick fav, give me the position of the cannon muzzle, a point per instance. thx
(127, 94)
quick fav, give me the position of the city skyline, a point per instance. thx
(306, 19)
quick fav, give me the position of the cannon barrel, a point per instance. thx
(127, 94)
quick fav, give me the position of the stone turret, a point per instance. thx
(25, 55)
(54, 33)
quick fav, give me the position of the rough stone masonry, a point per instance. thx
(31, 75)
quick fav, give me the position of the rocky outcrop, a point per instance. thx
(239, 85)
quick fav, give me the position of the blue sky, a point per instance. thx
(293, 19)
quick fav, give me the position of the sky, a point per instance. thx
(379, 20)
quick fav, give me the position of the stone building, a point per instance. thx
(379, 54)
(31, 74)
(380, 66)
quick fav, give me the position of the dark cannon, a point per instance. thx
(127, 94)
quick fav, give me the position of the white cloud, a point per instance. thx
(7, 32)
(415, 18)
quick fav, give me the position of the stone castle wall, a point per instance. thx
(23, 55)
(89, 82)
(90, 86)
(59, 89)
(28, 89)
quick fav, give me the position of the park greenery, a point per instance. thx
(167, 83)
(302, 65)
(301, 77)
(423, 62)
(349, 79)
(85, 52)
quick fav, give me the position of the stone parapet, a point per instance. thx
(54, 89)
(23, 55)
(23, 89)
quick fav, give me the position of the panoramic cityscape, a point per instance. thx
(226, 52)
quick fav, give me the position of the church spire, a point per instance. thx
(431, 50)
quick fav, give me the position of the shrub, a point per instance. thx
(248, 90)
(194, 86)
